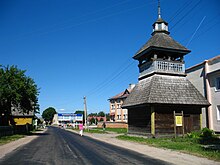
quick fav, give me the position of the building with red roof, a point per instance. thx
(117, 113)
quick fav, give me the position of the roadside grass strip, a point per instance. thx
(115, 130)
(7, 139)
(185, 145)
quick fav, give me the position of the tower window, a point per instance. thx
(159, 26)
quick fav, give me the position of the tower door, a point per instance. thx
(188, 123)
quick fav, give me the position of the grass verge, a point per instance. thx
(100, 130)
(7, 139)
(186, 145)
(115, 130)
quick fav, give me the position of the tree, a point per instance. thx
(92, 121)
(101, 113)
(17, 92)
(107, 117)
(79, 112)
(92, 114)
(48, 114)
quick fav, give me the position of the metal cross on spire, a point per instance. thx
(159, 13)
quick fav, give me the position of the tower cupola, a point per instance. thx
(160, 25)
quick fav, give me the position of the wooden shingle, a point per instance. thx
(161, 41)
(162, 89)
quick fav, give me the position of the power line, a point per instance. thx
(120, 82)
(180, 10)
(109, 81)
(195, 31)
(190, 10)
(74, 18)
(69, 26)
(208, 29)
(205, 28)
(108, 77)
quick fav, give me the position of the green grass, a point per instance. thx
(100, 130)
(7, 139)
(186, 145)
(116, 130)
(91, 130)
(95, 131)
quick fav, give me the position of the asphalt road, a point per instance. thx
(59, 147)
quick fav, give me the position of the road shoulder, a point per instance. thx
(9, 147)
(166, 155)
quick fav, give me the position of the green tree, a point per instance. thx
(92, 114)
(48, 114)
(92, 121)
(101, 113)
(107, 117)
(17, 92)
(79, 112)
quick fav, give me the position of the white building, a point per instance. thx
(205, 77)
(67, 118)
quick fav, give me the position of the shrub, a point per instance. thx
(194, 134)
(207, 133)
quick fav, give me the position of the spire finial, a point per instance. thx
(159, 14)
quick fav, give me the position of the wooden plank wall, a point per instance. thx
(164, 121)
(139, 120)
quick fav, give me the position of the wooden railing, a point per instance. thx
(162, 66)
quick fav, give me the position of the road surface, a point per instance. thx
(57, 146)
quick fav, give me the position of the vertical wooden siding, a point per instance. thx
(139, 120)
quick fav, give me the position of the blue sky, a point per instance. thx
(76, 48)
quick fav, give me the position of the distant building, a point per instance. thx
(205, 77)
(117, 113)
(67, 118)
(97, 118)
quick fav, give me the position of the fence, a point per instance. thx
(17, 129)
(6, 131)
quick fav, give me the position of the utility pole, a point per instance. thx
(85, 111)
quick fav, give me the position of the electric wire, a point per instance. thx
(184, 16)
(72, 19)
(179, 11)
(108, 77)
(195, 31)
(107, 82)
(207, 26)
(112, 79)
(70, 26)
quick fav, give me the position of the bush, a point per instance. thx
(194, 134)
(207, 133)
(204, 133)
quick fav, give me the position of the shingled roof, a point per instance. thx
(162, 41)
(16, 112)
(162, 89)
(121, 95)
